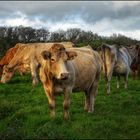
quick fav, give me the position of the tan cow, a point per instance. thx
(70, 69)
(28, 57)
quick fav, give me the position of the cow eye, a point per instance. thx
(52, 60)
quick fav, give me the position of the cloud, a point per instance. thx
(88, 10)
(103, 17)
(21, 19)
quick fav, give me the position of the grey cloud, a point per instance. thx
(89, 11)
(52, 10)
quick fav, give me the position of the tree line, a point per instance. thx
(9, 36)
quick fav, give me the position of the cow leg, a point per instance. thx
(21, 74)
(48, 87)
(66, 103)
(118, 80)
(134, 75)
(87, 101)
(92, 101)
(52, 106)
(51, 100)
(93, 93)
(126, 81)
(108, 87)
(34, 74)
(138, 67)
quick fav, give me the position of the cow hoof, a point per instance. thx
(125, 87)
(34, 84)
(86, 109)
(90, 111)
(66, 116)
(52, 114)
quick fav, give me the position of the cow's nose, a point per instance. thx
(64, 76)
(2, 82)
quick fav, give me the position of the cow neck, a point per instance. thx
(3, 61)
(49, 78)
(47, 72)
(16, 59)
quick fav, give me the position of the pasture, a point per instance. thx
(24, 113)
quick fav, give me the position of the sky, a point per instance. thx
(102, 17)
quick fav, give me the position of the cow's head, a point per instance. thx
(7, 74)
(56, 60)
(109, 57)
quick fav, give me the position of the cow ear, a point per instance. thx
(46, 55)
(71, 55)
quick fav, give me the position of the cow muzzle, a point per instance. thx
(3, 81)
(64, 76)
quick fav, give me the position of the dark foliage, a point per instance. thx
(9, 36)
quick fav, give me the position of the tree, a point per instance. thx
(42, 35)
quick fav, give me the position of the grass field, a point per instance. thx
(24, 113)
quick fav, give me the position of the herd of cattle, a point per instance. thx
(61, 67)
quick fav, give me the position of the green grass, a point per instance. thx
(24, 113)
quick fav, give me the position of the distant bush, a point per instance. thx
(9, 36)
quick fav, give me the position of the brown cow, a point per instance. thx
(8, 57)
(135, 66)
(30, 55)
(22, 69)
(59, 74)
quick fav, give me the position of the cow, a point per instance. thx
(7, 74)
(117, 61)
(8, 56)
(64, 70)
(28, 57)
(135, 66)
